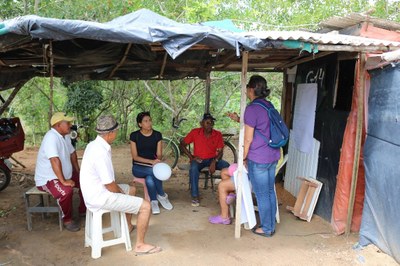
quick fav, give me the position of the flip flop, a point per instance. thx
(149, 252)
(262, 234)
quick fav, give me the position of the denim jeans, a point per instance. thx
(194, 173)
(154, 186)
(262, 178)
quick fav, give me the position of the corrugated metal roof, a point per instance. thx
(338, 23)
(318, 38)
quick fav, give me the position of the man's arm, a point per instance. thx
(113, 187)
(57, 168)
(184, 149)
(74, 161)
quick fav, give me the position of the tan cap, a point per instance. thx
(60, 116)
(106, 123)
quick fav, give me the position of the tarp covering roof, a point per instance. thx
(144, 45)
(140, 27)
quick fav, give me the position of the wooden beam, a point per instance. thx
(163, 65)
(208, 94)
(51, 93)
(303, 60)
(228, 59)
(357, 146)
(10, 98)
(243, 81)
(121, 62)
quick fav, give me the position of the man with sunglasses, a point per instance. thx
(207, 152)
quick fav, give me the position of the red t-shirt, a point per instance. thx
(205, 148)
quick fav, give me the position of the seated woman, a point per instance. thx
(146, 150)
(226, 196)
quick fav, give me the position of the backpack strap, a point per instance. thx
(267, 109)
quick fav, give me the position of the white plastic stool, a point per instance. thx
(143, 182)
(94, 231)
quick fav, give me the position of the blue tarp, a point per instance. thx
(380, 223)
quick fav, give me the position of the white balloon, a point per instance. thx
(162, 171)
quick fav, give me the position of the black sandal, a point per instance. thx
(262, 234)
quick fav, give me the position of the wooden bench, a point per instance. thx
(41, 207)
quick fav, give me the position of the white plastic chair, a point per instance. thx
(94, 231)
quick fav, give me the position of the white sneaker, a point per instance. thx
(154, 207)
(165, 202)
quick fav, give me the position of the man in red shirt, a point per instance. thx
(208, 146)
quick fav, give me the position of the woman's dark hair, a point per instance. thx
(259, 84)
(140, 116)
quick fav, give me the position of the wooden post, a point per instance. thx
(245, 59)
(7, 102)
(208, 94)
(357, 146)
(51, 80)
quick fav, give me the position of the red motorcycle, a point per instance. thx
(12, 139)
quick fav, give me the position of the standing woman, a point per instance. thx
(261, 159)
(146, 150)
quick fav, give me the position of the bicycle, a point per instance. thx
(172, 153)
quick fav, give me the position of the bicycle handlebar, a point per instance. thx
(176, 125)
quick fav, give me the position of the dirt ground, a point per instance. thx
(186, 236)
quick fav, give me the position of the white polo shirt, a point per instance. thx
(96, 172)
(53, 145)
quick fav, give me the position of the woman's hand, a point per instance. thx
(153, 162)
(234, 116)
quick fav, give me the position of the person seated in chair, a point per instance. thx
(226, 196)
(207, 152)
(100, 190)
(57, 169)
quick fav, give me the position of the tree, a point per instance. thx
(83, 100)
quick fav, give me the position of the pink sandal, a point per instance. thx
(219, 220)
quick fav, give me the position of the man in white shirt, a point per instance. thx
(57, 168)
(100, 190)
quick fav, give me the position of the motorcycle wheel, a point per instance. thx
(5, 178)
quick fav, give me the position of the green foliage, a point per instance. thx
(83, 98)
(10, 9)
(32, 105)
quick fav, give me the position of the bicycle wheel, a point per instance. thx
(230, 154)
(170, 152)
(5, 178)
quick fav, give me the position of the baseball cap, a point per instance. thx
(106, 123)
(208, 116)
(60, 116)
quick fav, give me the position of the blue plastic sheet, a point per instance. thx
(380, 223)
